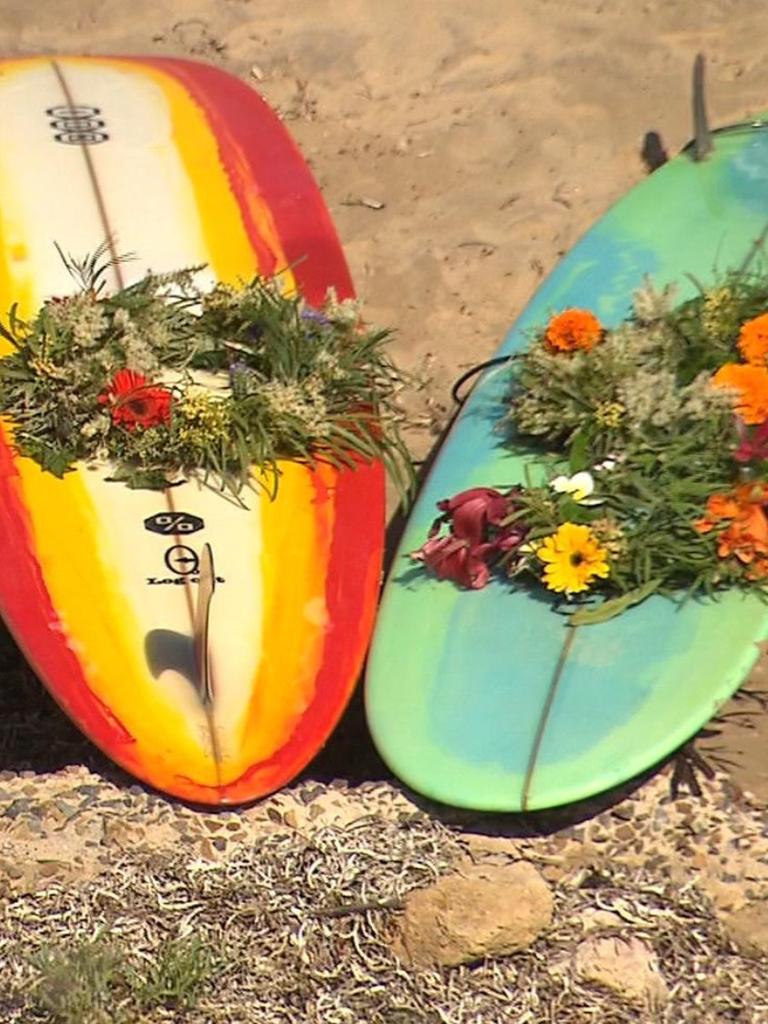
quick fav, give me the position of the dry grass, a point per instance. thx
(298, 930)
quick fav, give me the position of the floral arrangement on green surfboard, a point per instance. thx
(650, 458)
(163, 379)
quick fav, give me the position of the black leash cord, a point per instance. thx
(473, 372)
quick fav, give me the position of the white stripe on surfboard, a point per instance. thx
(46, 195)
(135, 556)
(149, 198)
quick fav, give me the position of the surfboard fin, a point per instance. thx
(702, 135)
(205, 592)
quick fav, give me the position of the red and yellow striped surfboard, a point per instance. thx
(181, 164)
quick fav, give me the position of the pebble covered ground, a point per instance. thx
(297, 901)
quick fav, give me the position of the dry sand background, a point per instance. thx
(493, 133)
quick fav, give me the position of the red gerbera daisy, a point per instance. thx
(134, 402)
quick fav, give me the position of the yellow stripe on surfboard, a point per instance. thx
(293, 573)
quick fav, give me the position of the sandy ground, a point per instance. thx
(491, 134)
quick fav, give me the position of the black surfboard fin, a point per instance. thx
(205, 592)
(702, 135)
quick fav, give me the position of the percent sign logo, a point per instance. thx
(173, 524)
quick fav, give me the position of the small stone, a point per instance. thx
(291, 819)
(600, 920)
(206, 849)
(220, 845)
(49, 868)
(17, 808)
(570, 832)
(65, 808)
(88, 790)
(625, 813)
(552, 872)
(724, 896)
(747, 929)
(10, 870)
(122, 834)
(309, 793)
(482, 846)
(26, 828)
(626, 966)
(486, 911)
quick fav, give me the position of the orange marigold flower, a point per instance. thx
(723, 506)
(751, 386)
(573, 329)
(758, 570)
(719, 506)
(754, 492)
(746, 536)
(753, 340)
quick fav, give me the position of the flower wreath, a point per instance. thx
(164, 379)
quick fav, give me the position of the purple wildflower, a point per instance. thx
(314, 316)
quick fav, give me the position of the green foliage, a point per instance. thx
(614, 606)
(175, 977)
(638, 411)
(78, 985)
(251, 376)
(97, 982)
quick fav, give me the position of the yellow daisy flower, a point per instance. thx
(573, 559)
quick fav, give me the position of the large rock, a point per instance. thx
(747, 929)
(626, 966)
(484, 911)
